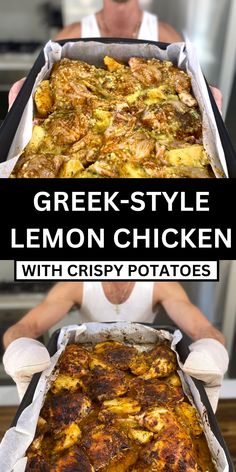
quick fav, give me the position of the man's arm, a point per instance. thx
(167, 34)
(53, 308)
(70, 31)
(186, 315)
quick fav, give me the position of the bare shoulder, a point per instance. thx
(70, 31)
(168, 34)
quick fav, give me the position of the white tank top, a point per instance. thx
(148, 30)
(138, 307)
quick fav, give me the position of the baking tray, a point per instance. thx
(11, 122)
(183, 351)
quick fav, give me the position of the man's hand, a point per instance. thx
(23, 358)
(208, 361)
(14, 90)
(217, 96)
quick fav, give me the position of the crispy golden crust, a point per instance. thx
(172, 447)
(104, 414)
(116, 354)
(104, 384)
(121, 122)
(62, 410)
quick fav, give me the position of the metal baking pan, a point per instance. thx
(183, 351)
(11, 122)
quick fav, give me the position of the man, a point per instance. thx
(113, 301)
(121, 19)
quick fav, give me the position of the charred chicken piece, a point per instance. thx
(190, 418)
(63, 410)
(37, 464)
(106, 384)
(72, 460)
(74, 361)
(154, 392)
(116, 354)
(108, 449)
(172, 450)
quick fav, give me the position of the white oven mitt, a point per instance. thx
(208, 361)
(23, 358)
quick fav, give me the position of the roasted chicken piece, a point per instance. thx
(146, 71)
(189, 417)
(171, 450)
(173, 122)
(108, 449)
(87, 149)
(66, 128)
(62, 410)
(159, 362)
(73, 366)
(105, 384)
(75, 83)
(116, 354)
(45, 166)
(74, 361)
(37, 464)
(72, 460)
(158, 419)
(154, 392)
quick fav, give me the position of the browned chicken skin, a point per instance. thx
(104, 384)
(63, 410)
(120, 122)
(159, 362)
(171, 451)
(74, 361)
(155, 392)
(116, 354)
(39, 166)
(113, 408)
(105, 444)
